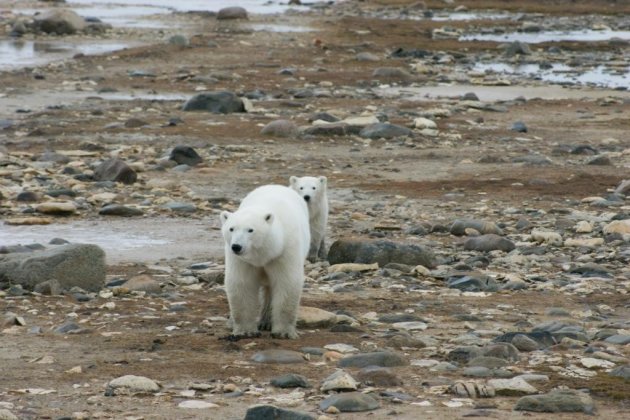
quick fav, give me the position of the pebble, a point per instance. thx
(512, 386)
(350, 402)
(339, 381)
(280, 128)
(380, 358)
(309, 317)
(261, 412)
(196, 404)
(120, 210)
(278, 356)
(379, 376)
(130, 384)
(621, 372)
(57, 208)
(290, 380)
(489, 242)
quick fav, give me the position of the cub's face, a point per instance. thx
(244, 232)
(310, 188)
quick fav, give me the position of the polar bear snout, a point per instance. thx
(307, 198)
(237, 249)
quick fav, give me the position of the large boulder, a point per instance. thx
(233, 12)
(385, 130)
(81, 265)
(115, 170)
(379, 251)
(219, 102)
(60, 22)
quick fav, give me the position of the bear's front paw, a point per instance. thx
(237, 337)
(265, 325)
(285, 334)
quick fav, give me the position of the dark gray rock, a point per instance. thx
(488, 362)
(384, 130)
(178, 207)
(565, 401)
(532, 160)
(278, 356)
(599, 160)
(59, 21)
(233, 12)
(180, 40)
(620, 339)
(290, 380)
(220, 102)
(472, 282)
(270, 412)
(27, 197)
(489, 242)
(280, 128)
(524, 343)
(115, 170)
(504, 351)
(332, 129)
(379, 376)
(185, 155)
(71, 265)
(67, 327)
(391, 73)
(378, 358)
(621, 372)
(519, 127)
(392, 318)
(323, 116)
(590, 270)
(120, 210)
(350, 402)
(464, 354)
(543, 338)
(380, 251)
(517, 48)
(459, 227)
(623, 188)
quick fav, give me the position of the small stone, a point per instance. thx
(115, 170)
(219, 102)
(472, 390)
(180, 40)
(584, 242)
(459, 227)
(519, 127)
(471, 282)
(233, 12)
(120, 210)
(524, 343)
(309, 317)
(547, 237)
(391, 73)
(350, 402)
(185, 155)
(423, 123)
(517, 48)
(196, 404)
(379, 376)
(339, 381)
(366, 56)
(385, 131)
(381, 358)
(133, 384)
(290, 380)
(591, 363)
(621, 372)
(620, 339)
(380, 251)
(488, 362)
(264, 412)
(489, 242)
(278, 356)
(59, 21)
(143, 283)
(561, 401)
(618, 226)
(57, 208)
(511, 387)
(600, 160)
(280, 128)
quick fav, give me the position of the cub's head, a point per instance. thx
(310, 188)
(244, 232)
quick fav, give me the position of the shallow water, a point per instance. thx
(117, 15)
(561, 73)
(126, 239)
(252, 6)
(549, 36)
(463, 16)
(16, 53)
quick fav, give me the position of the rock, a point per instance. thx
(379, 358)
(278, 356)
(350, 402)
(464, 354)
(379, 376)
(143, 283)
(269, 412)
(489, 362)
(560, 329)
(547, 237)
(623, 188)
(233, 12)
(524, 343)
(290, 380)
(185, 155)
(512, 387)
(366, 56)
(519, 127)
(384, 130)
(180, 40)
(489, 242)
(59, 21)
(27, 197)
(115, 170)
(459, 227)
(599, 160)
(584, 242)
(391, 73)
(621, 372)
(517, 48)
(219, 102)
(472, 282)
(131, 384)
(332, 129)
(620, 339)
(339, 381)
(57, 208)
(309, 317)
(478, 371)
(472, 390)
(395, 318)
(379, 251)
(7, 415)
(618, 226)
(592, 363)
(560, 401)
(120, 210)
(178, 207)
(422, 123)
(410, 326)
(280, 128)
(71, 265)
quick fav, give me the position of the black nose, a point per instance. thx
(307, 197)
(237, 248)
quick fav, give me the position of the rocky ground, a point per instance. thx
(480, 223)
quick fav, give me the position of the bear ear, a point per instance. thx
(323, 180)
(224, 216)
(269, 218)
(293, 180)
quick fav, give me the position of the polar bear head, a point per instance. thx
(247, 233)
(311, 188)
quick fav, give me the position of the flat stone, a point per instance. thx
(489, 242)
(143, 283)
(472, 282)
(379, 376)
(80, 265)
(379, 251)
(185, 155)
(196, 404)
(391, 73)
(618, 226)
(385, 131)
(621, 372)
(120, 210)
(280, 128)
(339, 381)
(524, 343)
(218, 102)
(592, 363)
(233, 12)
(564, 401)
(290, 380)
(264, 412)
(178, 207)
(472, 390)
(620, 339)
(309, 317)
(504, 351)
(115, 170)
(410, 326)
(57, 208)
(459, 227)
(478, 371)
(7, 415)
(488, 362)
(133, 384)
(512, 387)
(379, 358)
(278, 356)
(350, 402)
(543, 338)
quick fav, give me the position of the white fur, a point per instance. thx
(316, 189)
(271, 225)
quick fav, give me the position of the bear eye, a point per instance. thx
(301, 188)
(250, 230)
(231, 229)
(313, 188)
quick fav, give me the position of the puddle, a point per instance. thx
(561, 73)
(464, 16)
(19, 53)
(117, 15)
(252, 6)
(549, 36)
(495, 93)
(146, 240)
(126, 96)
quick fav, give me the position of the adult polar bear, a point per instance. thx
(266, 243)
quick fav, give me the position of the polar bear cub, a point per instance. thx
(313, 191)
(266, 243)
